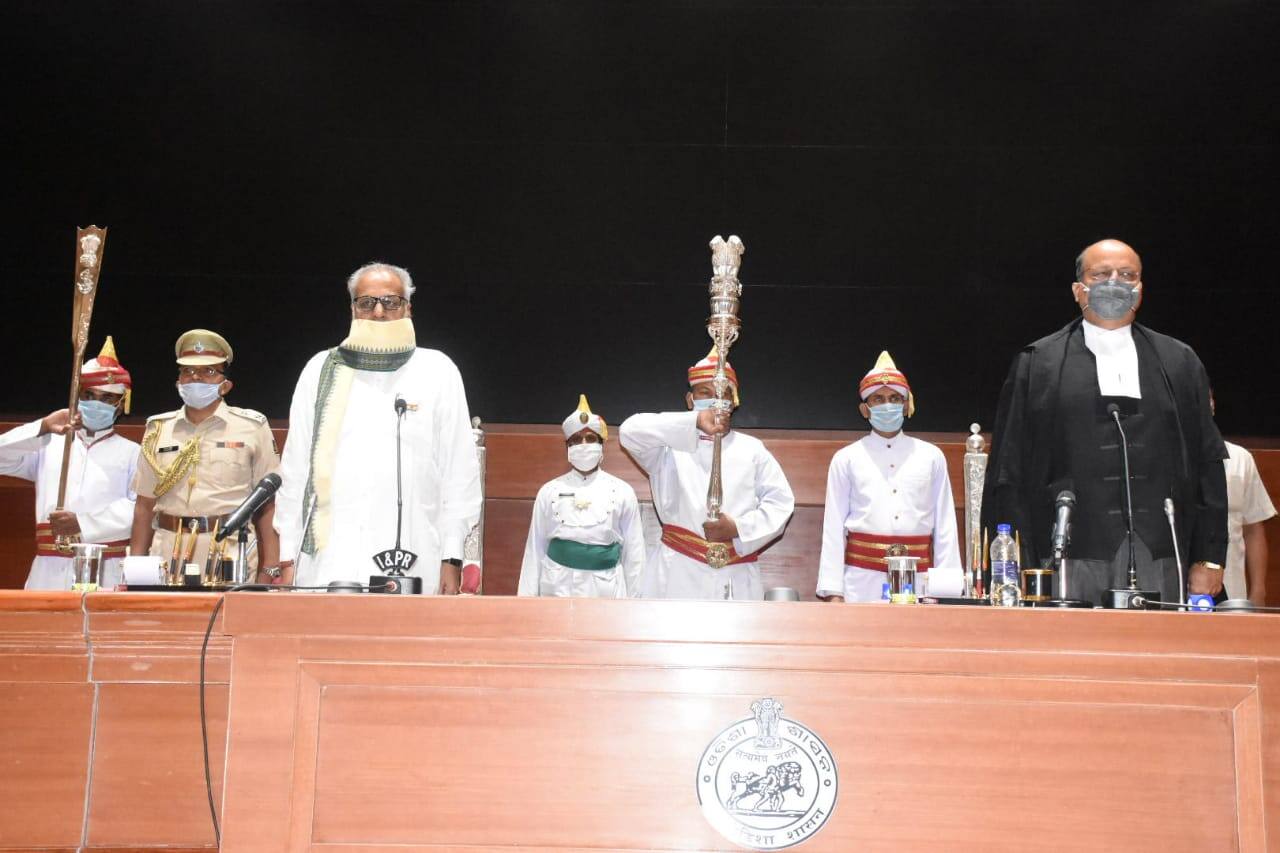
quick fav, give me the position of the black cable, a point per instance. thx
(204, 651)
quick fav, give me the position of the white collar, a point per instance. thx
(577, 477)
(1108, 340)
(887, 442)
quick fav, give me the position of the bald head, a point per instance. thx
(1088, 259)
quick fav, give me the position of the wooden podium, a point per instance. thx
(384, 723)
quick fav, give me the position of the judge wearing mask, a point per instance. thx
(885, 489)
(675, 450)
(200, 462)
(586, 538)
(1055, 430)
(99, 500)
(337, 504)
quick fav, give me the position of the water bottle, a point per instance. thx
(1005, 589)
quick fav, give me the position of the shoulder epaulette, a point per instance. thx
(248, 413)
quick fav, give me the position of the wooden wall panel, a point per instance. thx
(521, 457)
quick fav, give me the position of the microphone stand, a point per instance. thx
(240, 570)
(397, 561)
(1177, 555)
(1060, 598)
(1130, 598)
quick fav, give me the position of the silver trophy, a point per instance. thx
(723, 326)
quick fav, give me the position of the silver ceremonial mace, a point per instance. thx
(723, 326)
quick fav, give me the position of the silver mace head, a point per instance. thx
(726, 291)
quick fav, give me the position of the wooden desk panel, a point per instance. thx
(100, 732)
(415, 724)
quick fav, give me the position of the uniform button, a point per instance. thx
(890, 446)
(895, 491)
(890, 464)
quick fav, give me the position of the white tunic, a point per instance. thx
(757, 496)
(1247, 503)
(884, 486)
(441, 476)
(99, 491)
(596, 509)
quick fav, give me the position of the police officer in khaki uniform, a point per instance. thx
(201, 461)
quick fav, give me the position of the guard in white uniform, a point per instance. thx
(675, 450)
(885, 489)
(100, 498)
(586, 538)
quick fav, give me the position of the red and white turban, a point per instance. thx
(705, 371)
(887, 375)
(106, 373)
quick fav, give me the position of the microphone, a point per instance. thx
(263, 492)
(401, 405)
(1062, 524)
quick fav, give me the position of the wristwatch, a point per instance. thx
(453, 561)
(1213, 566)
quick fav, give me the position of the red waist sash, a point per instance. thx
(695, 547)
(867, 550)
(46, 544)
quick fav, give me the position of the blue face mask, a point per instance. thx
(199, 395)
(887, 417)
(704, 404)
(96, 415)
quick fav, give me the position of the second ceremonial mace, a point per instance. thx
(723, 326)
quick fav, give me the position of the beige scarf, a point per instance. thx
(370, 345)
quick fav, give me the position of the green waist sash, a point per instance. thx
(590, 558)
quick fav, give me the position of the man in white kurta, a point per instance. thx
(675, 450)
(100, 498)
(586, 538)
(884, 489)
(337, 504)
(1248, 507)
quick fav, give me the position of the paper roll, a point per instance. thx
(946, 582)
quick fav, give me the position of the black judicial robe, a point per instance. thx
(1040, 448)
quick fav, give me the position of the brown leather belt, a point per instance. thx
(204, 523)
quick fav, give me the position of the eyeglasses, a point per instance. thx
(206, 372)
(367, 304)
(1098, 276)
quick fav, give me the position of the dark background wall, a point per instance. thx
(910, 175)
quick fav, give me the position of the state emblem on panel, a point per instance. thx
(767, 782)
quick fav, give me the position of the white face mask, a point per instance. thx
(586, 457)
(199, 395)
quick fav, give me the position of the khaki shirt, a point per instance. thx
(236, 451)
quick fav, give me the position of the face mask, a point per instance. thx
(199, 395)
(381, 335)
(585, 457)
(1112, 299)
(96, 415)
(704, 404)
(887, 417)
